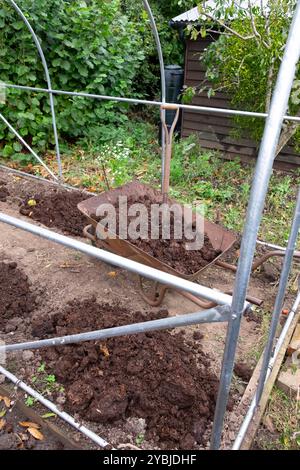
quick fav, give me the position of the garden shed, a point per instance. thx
(215, 130)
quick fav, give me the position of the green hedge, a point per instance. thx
(89, 46)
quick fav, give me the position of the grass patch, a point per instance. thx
(284, 414)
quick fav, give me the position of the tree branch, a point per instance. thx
(225, 26)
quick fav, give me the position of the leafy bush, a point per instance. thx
(244, 61)
(173, 48)
(89, 46)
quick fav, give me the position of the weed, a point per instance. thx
(140, 439)
(30, 401)
(285, 416)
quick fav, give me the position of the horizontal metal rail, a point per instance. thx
(208, 109)
(125, 263)
(214, 315)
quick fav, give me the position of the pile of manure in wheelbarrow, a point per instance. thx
(16, 298)
(156, 376)
(56, 208)
(173, 251)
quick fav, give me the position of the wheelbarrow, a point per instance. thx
(220, 238)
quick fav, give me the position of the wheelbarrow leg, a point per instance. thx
(157, 295)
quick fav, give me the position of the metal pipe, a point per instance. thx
(48, 404)
(188, 107)
(255, 401)
(262, 175)
(125, 263)
(162, 78)
(44, 180)
(46, 70)
(214, 315)
(271, 245)
(13, 130)
(284, 277)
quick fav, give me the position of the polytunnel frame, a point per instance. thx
(229, 309)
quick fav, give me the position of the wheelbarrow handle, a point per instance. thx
(168, 142)
(88, 234)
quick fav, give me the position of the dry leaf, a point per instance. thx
(2, 423)
(36, 434)
(29, 424)
(2, 413)
(104, 350)
(6, 400)
(112, 274)
(31, 202)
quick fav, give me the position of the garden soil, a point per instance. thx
(154, 376)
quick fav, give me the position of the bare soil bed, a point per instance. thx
(56, 208)
(154, 376)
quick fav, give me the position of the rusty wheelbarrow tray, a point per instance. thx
(220, 238)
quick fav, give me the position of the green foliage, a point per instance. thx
(89, 46)
(148, 82)
(245, 63)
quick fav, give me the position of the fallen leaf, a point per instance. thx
(104, 350)
(268, 423)
(2, 413)
(2, 423)
(29, 424)
(6, 400)
(112, 274)
(31, 203)
(49, 415)
(36, 434)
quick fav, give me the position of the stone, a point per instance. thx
(289, 379)
(61, 400)
(13, 324)
(270, 272)
(27, 355)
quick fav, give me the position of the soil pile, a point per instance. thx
(171, 251)
(56, 208)
(154, 376)
(3, 191)
(16, 297)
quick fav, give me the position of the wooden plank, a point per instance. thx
(250, 435)
(198, 46)
(210, 118)
(209, 128)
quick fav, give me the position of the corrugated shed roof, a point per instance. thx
(193, 15)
